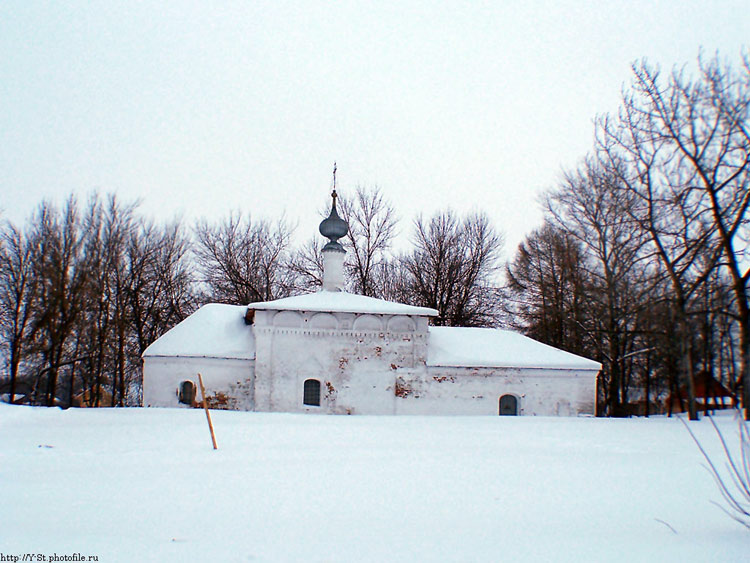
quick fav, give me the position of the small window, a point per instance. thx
(508, 405)
(186, 393)
(312, 393)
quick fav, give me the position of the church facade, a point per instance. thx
(338, 353)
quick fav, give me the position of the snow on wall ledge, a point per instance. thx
(342, 302)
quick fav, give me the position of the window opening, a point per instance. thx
(187, 393)
(311, 395)
(508, 405)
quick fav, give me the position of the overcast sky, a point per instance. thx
(202, 108)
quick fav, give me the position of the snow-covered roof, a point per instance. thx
(219, 331)
(489, 347)
(342, 302)
(215, 331)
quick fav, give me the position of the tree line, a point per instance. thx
(641, 262)
(83, 291)
(85, 288)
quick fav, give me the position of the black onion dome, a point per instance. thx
(333, 228)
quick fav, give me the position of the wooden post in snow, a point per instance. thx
(208, 415)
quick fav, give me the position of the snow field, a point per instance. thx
(145, 485)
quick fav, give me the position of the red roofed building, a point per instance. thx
(710, 394)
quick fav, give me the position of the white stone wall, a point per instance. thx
(228, 381)
(354, 356)
(366, 364)
(477, 391)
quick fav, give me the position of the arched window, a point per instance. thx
(311, 394)
(508, 405)
(186, 393)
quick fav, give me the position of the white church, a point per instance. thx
(335, 352)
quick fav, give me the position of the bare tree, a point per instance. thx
(712, 138)
(547, 289)
(100, 337)
(593, 209)
(18, 295)
(641, 151)
(83, 293)
(244, 261)
(452, 268)
(158, 283)
(372, 224)
(306, 266)
(62, 287)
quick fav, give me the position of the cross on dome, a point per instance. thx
(333, 227)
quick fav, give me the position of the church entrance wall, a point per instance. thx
(355, 358)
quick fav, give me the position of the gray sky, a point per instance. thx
(201, 108)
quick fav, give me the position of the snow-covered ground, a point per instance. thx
(145, 485)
